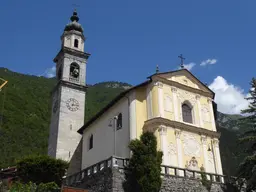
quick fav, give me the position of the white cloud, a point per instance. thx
(230, 98)
(50, 72)
(208, 62)
(188, 66)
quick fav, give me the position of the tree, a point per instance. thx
(247, 169)
(143, 173)
(41, 169)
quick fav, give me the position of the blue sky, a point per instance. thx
(127, 39)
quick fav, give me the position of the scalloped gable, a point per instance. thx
(186, 78)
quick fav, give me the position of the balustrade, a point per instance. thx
(121, 163)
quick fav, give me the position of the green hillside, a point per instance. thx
(26, 117)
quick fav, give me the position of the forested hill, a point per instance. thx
(26, 117)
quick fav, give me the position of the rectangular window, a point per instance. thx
(119, 122)
(91, 142)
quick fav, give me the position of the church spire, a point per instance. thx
(74, 25)
(74, 17)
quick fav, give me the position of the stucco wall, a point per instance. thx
(103, 136)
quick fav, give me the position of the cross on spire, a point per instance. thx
(181, 61)
(75, 6)
(157, 69)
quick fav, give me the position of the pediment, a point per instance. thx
(186, 78)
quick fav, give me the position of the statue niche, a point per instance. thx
(74, 72)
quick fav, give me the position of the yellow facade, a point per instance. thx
(141, 110)
(158, 105)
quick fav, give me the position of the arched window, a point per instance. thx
(187, 113)
(74, 71)
(76, 43)
(119, 121)
(91, 142)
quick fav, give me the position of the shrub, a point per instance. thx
(41, 169)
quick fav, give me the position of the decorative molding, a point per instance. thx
(174, 89)
(186, 96)
(192, 164)
(172, 149)
(184, 87)
(216, 143)
(210, 157)
(198, 97)
(191, 145)
(204, 139)
(157, 121)
(70, 85)
(185, 81)
(162, 130)
(209, 100)
(210, 162)
(159, 84)
(168, 103)
(206, 114)
(71, 59)
(66, 50)
(177, 133)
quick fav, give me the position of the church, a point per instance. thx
(176, 106)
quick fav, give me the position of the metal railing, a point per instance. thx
(121, 163)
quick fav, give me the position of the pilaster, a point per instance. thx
(149, 103)
(217, 156)
(179, 150)
(199, 111)
(163, 142)
(160, 98)
(212, 115)
(132, 115)
(175, 102)
(204, 144)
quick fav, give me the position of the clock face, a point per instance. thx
(72, 104)
(55, 106)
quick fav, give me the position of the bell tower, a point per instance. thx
(68, 96)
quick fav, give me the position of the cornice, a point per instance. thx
(71, 52)
(66, 33)
(153, 124)
(70, 85)
(181, 86)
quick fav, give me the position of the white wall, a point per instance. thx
(103, 136)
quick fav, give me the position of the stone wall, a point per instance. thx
(112, 179)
